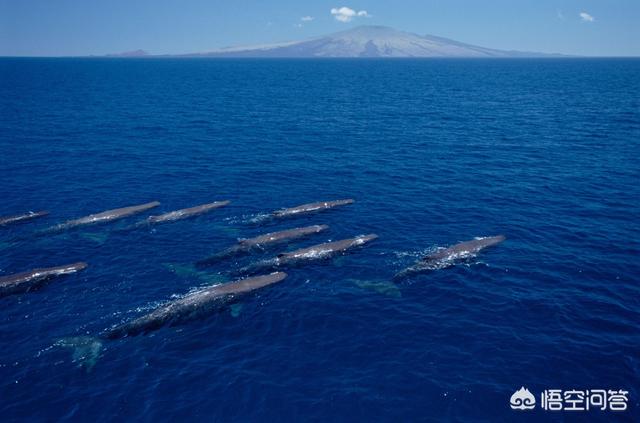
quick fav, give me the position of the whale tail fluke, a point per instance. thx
(85, 350)
(96, 237)
(190, 271)
(210, 261)
(235, 309)
(402, 275)
(380, 286)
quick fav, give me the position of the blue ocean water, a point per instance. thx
(434, 152)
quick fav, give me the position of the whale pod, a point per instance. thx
(448, 256)
(183, 213)
(25, 281)
(193, 305)
(260, 241)
(315, 252)
(19, 218)
(310, 208)
(106, 216)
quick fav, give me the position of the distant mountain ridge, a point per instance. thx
(365, 41)
(134, 53)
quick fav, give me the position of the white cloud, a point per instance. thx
(346, 14)
(586, 17)
(560, 15)
(306, 18)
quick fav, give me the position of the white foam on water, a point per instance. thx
(258, 218)
(417, 254)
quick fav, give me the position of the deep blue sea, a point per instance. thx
(546, 152)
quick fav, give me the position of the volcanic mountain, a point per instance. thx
(368, 41)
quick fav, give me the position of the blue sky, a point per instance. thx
(82, 27)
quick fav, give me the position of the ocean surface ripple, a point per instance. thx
(434, 152)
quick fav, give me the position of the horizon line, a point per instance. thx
(205, 56)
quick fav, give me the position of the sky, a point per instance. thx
(97, 27)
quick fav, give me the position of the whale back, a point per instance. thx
(312, 207)
(465, 248)
(22, 282)
(17, 218)
(186, 213)
(274, 237)
(328, 247)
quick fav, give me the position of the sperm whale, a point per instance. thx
(19, 218)
(315, 252)
(448, 256)
(183, 213)
(103, 217)
(272, 238)
(32, 279)
(310, 208)
(87, 349)
(193, 305)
